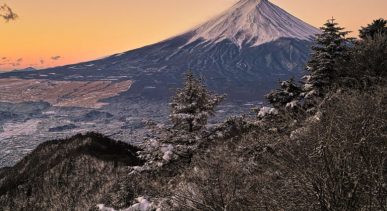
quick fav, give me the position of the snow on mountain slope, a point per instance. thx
(242, 53)
(254, 22)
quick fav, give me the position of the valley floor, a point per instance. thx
(26, 125)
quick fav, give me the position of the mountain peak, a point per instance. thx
(254, 22)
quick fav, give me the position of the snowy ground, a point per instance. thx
(33, 124)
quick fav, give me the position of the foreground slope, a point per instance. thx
(243, 52)
(274, 163)
(72, 174)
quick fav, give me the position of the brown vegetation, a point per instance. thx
(86, 94)
(337, 162)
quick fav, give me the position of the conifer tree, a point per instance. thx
(193, 104)
(330, 47)
(376, 27)
(285, 96)
(367, 65)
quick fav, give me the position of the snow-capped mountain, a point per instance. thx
(243, 53)
(254, 22)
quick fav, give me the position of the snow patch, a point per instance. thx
(102, 207)
(264, 111)
(142, 205)
(119, 54)
(292, 104)
(150, 87)
(168, 152)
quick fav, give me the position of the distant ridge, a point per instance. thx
(25, 69)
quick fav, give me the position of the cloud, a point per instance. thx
(19, 60)
(3, 58)
(56, 57)
(41, 61)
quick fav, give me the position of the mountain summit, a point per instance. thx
(254, 22)
(243, 53)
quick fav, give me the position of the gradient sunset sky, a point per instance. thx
(51, 33)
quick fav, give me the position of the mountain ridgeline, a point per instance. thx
(242, 53)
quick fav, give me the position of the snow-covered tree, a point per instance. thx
(376, 27)
(193, 104)
(287, 96)
(330, 47)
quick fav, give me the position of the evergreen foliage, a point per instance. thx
(193, 104)
(379, 26)
(330, 47)
(367, 64)
(285, 96)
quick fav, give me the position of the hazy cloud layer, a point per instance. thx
(56, 57)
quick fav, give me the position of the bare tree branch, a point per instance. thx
(7, 13)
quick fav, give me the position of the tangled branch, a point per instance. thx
(7, 13)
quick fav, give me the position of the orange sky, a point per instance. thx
(51, 33)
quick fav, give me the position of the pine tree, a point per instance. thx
(193, 104)
(286, 96)
(330, 47)
(367, 65)
(371, 30)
